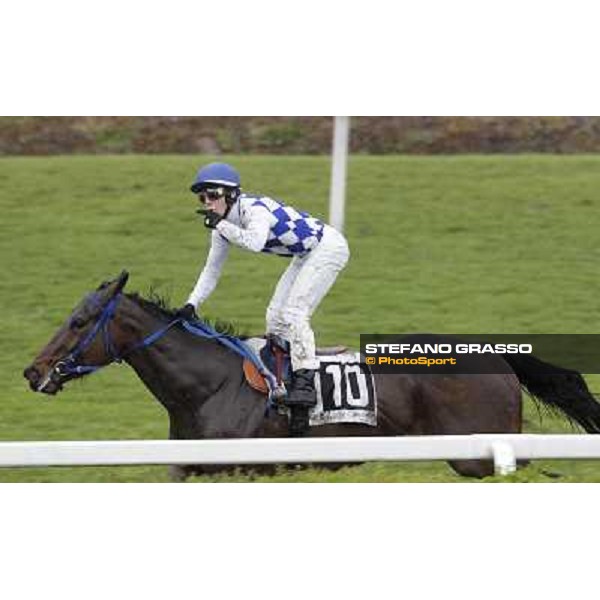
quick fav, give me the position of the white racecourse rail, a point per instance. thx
(504, 450)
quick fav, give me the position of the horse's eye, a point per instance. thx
(77, 323)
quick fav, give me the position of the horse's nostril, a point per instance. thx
(31, 374)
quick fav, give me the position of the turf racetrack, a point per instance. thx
(477, 244)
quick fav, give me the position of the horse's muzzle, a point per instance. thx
(50, 384)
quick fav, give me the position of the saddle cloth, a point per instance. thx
(345, 387)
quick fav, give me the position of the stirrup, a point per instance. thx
(279, 394)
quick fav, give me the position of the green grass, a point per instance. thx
(446, 244)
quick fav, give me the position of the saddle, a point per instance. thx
(275, 355)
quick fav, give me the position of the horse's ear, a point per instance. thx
(120, 281)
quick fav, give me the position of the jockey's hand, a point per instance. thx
(187, 312)
(211, 218)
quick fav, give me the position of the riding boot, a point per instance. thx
(301, 398)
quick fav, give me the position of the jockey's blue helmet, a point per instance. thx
(216, 174)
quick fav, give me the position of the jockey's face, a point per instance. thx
(213, 201)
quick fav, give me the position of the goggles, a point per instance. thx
(211, 194)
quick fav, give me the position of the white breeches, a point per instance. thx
(298, 293)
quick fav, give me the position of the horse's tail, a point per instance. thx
(560, 389)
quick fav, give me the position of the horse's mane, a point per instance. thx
(158, 306)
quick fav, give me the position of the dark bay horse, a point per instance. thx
(201, 384)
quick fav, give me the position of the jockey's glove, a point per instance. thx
(211, 218)
(187, 312)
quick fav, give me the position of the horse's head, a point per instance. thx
(82, 344)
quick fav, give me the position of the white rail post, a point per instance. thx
(337, 197)
(505, 461)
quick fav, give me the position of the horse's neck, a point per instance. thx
(178, 367)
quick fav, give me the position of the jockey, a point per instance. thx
(263, 224)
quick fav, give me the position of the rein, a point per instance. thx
(70, 364)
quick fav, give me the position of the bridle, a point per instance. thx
(71, 364)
